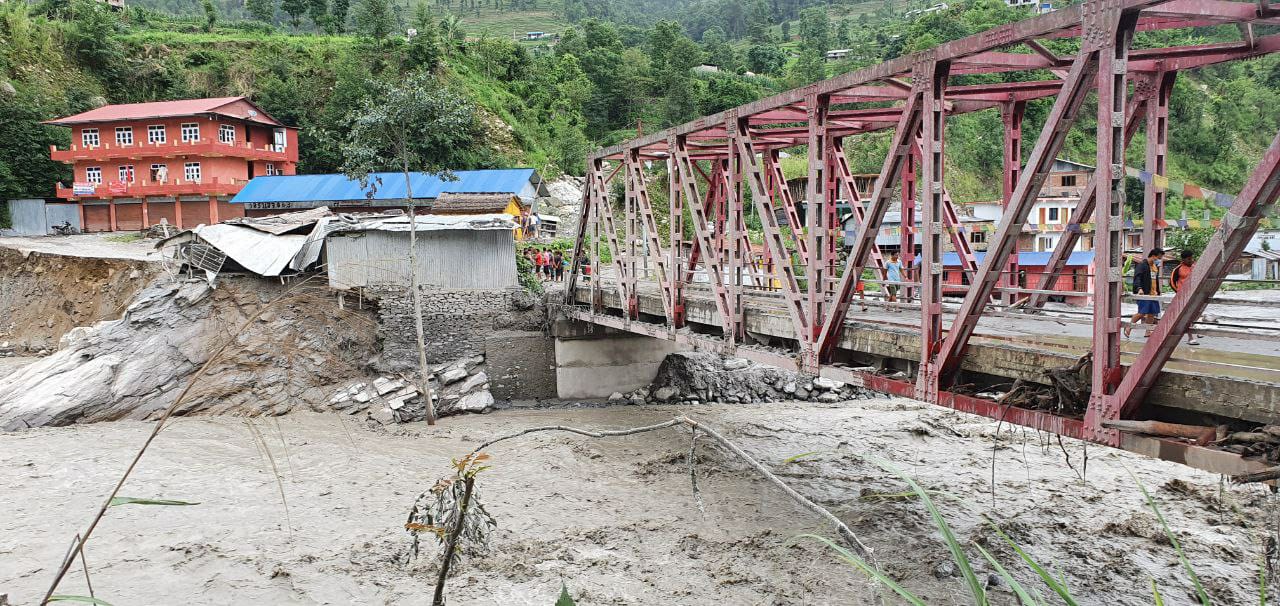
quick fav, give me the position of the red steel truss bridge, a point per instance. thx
(795, 304)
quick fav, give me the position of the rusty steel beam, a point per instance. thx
(1238, 226)
(844, 178)
(1061, 22)
(1108, 241)
(816, 204)
(1153, 198)
(788, 204)
(933, 77)
(675, 226)
(1011, 115)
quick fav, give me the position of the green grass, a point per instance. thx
(124, 238)
(510, 24)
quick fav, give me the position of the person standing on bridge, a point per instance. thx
(1146, 283)
(1180, 275)
(892, 276)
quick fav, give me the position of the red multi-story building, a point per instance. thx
(180, 161)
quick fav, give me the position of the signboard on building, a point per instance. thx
(82, 189)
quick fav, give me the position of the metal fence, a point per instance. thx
(446, 258)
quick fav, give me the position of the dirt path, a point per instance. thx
(614, 519)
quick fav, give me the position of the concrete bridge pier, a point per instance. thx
(593, 362)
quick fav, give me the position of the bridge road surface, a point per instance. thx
(1251, 353)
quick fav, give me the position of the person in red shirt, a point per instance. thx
(1181, 274)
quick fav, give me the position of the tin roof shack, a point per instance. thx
(454, 252)
(270, 246)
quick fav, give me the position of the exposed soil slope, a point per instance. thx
(42, 295)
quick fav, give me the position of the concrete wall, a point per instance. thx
(589, 368)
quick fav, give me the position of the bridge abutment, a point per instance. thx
(593, 362)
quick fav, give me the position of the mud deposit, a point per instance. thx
(614, 518)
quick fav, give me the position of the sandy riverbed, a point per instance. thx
(614, 518)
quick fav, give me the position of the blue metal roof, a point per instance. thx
(389, 186)
(1077, 259)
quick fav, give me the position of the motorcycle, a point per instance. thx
(66, 229)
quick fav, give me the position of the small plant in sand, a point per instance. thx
(452, 512)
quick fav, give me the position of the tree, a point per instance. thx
(758, 21)
(814, 44)
(424, 47)
(719, 53)
(210, 15)
(411, 126)
(374, 19)
(842, 34)
(338, 14)
(261, 10)
(295, 9)
(765, 59)
(318, 11)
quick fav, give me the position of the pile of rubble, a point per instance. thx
(694, 377)
(458, 387)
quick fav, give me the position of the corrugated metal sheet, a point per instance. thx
(523, 182)
(28, 217)
(446, 258)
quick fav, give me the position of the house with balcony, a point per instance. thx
(138, 164)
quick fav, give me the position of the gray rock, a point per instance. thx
(944, 569)
(453, 375)
(474, 382)
(664, 394)
(801, 393)
(385, 386)
(475, 402)
(789, 388)
(736, 364)
(829, 397)
(616, 396)
(383, 416)
(363, 397)
(826, 384)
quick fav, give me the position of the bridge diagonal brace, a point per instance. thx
(782, 269)
(1074, 90)
(844, 177)
(864, 241)
(575, 264)
(1082, 214)
(1238, 226)
(774, 170)
(715, 271)
(635, 170)
(604, 211)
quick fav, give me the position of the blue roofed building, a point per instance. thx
(271, 195)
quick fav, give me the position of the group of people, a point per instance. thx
(1146, 282)
(548, 265)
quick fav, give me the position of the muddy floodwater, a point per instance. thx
(613, 519)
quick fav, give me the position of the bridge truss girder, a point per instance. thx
(722, 167)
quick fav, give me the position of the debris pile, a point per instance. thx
(459, 386)
(1262, 442)
(694, 377)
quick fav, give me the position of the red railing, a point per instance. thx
(213, 186)
(201, 147)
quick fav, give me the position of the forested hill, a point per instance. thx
(606, 68)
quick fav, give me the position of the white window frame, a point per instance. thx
(226, 133)
(190, 132)
(85, 137)
(93, 174)
(189, 169)
(271, 170)
(126, 173)
(155, 173)
(157, 133)
(124, 135)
